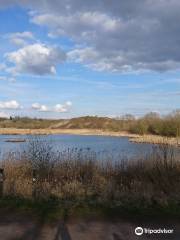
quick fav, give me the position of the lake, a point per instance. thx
(103, 146)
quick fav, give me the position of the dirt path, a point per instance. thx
(20, 227)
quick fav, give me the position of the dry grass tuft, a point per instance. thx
(77, 175)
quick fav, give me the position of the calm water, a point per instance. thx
(103, 146)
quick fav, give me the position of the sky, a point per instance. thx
(71, 58)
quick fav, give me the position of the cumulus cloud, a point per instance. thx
(20, 38)
(59, 108)
(68, 104)
(123, 35)
(12, 105)
(25, 34)
(37, 59)
(62, 107)
(2, 66)
(8, 79)
(93, 59)
(4, 115)
(39, 107)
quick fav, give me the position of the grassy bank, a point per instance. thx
(75, 178)
(150, 124)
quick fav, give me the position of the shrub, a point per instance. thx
(78, 176)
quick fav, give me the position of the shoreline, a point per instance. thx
(153, 139)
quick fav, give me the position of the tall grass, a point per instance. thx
(77, 175)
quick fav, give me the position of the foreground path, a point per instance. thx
(20, 227)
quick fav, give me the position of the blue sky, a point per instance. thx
(62, 64)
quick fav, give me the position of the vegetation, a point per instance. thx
(77, 178)
(151, 123)
(154, 124)
(26, 123)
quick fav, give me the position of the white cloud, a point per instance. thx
(14, 105)
(63, 107)
(18, 41)
(68, 103)
(37, 59)
(126, 35)
(83, 55)
(60, 108)
(8, 79)
(2, 66)
(22, 35)
(20, 38)
(79, 24)
(95, 60)
(4, 115)
(39, 107)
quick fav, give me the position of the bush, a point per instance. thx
(77, 175)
